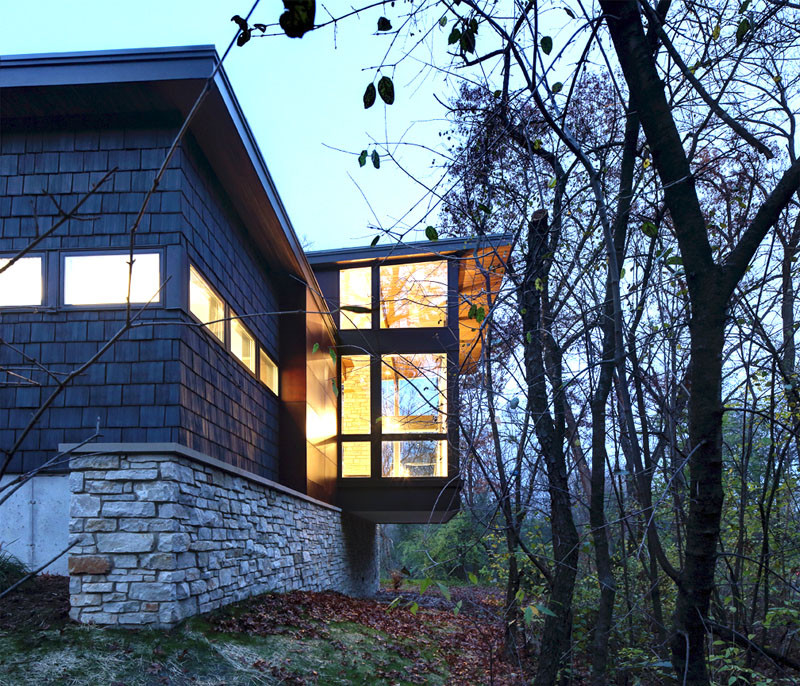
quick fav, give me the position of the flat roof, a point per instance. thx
(442, 246)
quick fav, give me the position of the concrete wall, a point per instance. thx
(164, 533)
(34, 524)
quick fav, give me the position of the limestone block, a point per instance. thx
(125, 543)
(94, 462)
(117, 508)
(132, 475)
(177, 472)
(82, 505)
(173, 543)
(152, 591)
(156, 491)
(160, 561)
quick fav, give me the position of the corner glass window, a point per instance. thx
(243, 345)
(206, 305)
(402, 459)
(21, 284)
(103, 279)
(355, 394)
(355, 290)
(414, 295)
(355, 459)
(267, 371)
(413, 393)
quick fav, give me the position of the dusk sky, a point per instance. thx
(302, 98)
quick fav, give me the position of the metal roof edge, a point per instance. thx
(319, 258)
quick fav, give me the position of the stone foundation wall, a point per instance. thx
(162, 535)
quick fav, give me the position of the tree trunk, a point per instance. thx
(550, 432)
(707, 328)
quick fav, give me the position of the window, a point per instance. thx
(414, 295)
(409, 428)
(355, 290)
(356, 459)
(355, 394)
(206, 305)
(21, 284)
(414, 458)
(413, 393)
(267, 371)
(243, 345)
(103, 279)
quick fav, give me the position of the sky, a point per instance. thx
(301, 97)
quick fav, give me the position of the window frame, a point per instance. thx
(43, 257)
(228, 316)
(375, 288)
(101, 252)
(377, 438)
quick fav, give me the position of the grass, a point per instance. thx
(11, 570)
(197, 653)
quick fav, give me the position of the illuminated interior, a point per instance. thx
(243, 345)
(83, 274)
(413, 393)
(355, 394)
(268, 371)
(21, 283)
(206, 305)
(355, 290)
(355, 459)
(403, 459)
(414, 295)
(479, 280)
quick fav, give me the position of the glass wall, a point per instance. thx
(413, 393)
(414, 294)
(355, 290)
(403, 459)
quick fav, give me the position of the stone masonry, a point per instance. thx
(169, 533)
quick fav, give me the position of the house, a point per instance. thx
(256, 412)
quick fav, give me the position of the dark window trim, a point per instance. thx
(376, 437)
(62, 273)
(229, 316)
(375, 265)
(43, 256)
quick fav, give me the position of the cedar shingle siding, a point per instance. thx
(161, 383)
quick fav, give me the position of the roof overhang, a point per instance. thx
(161, 83)
(482, 262)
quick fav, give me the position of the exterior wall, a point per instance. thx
(225, 410)
(160, 383)
(34, 526)
(165, 535)
(128, 390)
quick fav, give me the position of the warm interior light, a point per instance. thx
(414, 393)
(206, 305)
(409, 459)
(21, 283)
(356, 459)
(243, 345)
(355, 290)
(414, 294)
(355, 394)
(268, 371)
(103, 279)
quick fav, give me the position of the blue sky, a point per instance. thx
(302, 99)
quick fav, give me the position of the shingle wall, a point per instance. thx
(161, 381)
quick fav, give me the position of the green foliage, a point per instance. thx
(11, 569)
(441, 552)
